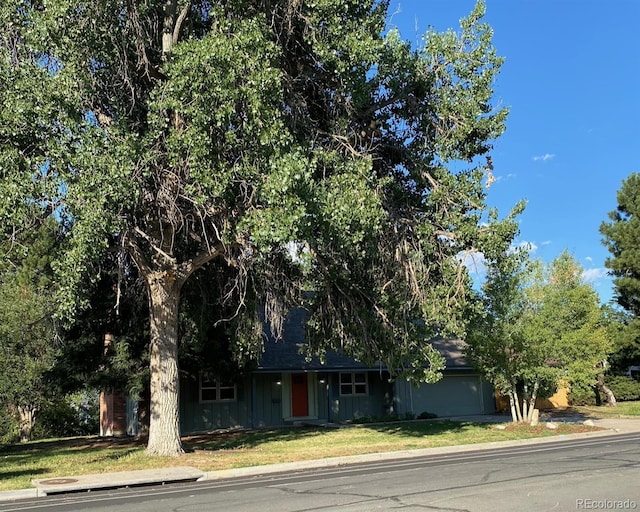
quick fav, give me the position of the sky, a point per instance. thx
(571, 80)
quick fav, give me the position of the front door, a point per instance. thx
(299, 395)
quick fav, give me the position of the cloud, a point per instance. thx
(543, 158)
(592, 275)
(589, 258)
(474, 261)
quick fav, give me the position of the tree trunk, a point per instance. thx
(164, 413)
(602, 387)
(532, 400)
(515, 407)
(27, 416)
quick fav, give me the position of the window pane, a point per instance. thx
(345, 378)
(208, 380)
(208, 395)
(360, 377)
(360, 389)
(346, 389)
(227, 393)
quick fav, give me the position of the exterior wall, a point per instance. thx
(377, 403)
(559, 400)
(271, 405)
(113, 414)
(453, 395)
(200, 417)
(267, 404)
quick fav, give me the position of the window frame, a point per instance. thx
(219, 387)
(354, 384)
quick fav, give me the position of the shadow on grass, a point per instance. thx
(42, 456)
(243, 439)
(427, 428)
(21, 473)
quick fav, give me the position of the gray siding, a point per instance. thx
(200, 417)
(453, 395)
(375, 404)
(267, 406)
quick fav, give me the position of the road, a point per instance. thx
(588, 474)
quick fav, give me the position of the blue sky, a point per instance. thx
(571, 79)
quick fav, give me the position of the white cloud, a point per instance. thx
(589, 258)
(592, 275)
(474, 261)
(546, 242)
(543, 158)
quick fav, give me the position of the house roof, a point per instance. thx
(285, 354)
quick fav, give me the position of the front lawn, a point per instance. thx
(21, 463)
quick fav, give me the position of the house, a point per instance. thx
(284, 388)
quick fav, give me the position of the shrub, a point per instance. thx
(624, 388)
(74, 415)
(582, 395)
(426, 415)
(8, 426)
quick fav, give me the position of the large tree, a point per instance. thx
(621, 236)
(537, 327)
(283, 146)
(29, 340)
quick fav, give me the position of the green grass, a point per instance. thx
(622, 410)
(21, 463)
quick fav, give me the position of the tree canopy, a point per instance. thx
(297, 151)
(538, 326)
(29, 341)
(621, 236)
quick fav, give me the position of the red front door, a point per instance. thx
(299, 395)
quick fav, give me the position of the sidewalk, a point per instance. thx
(45, 487)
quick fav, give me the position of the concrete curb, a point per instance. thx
(116, 480)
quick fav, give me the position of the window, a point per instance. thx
(213, 389)
(354, 383)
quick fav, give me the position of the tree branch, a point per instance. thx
(179, 21)
(170, 259)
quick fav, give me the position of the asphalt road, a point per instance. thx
(587, 474)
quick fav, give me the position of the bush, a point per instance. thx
(74, 415)
(9, 426)
(624, 388)
(426, 415)
(579, 395)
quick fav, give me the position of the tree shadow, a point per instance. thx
(427, 427)
(566, 415)
(22, 472)
(241, 439)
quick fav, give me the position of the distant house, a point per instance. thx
(284, 389)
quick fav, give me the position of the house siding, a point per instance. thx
(267, 404)
(453, 395)
(201, 417)
(377, 402)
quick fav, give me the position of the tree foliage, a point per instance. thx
(621, 236)
(537, 326)
(29, 341)
(282, 146)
